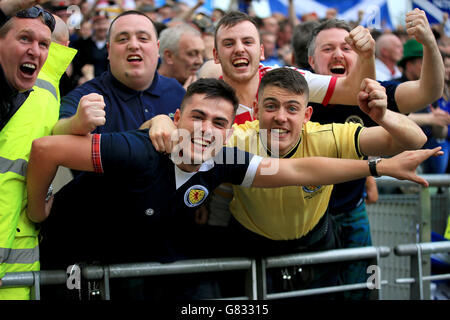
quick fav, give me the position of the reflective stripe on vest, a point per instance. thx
(43, 84)
(11, 256)
(18, 166)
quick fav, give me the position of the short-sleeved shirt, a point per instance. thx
(321, 88)
(148, 212)
(289, 213)
(126, 109)
(349, 195)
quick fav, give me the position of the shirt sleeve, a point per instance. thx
(69, 103)
(321, 87)
(240, 166)
(347, 140)
(391, 87)
(125, 153)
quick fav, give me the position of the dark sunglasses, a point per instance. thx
(35, 12)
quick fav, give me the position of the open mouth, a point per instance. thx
(200, 143)
(279, 132)
(28, 68)
(239, 63)
(340, 70)
(134, 58)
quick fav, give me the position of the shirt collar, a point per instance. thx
(127, 93)
(289, 154)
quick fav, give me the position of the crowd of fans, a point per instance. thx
(90, 25)
(97, 93)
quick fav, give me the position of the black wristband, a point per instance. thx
(373, 166)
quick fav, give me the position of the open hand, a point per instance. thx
(403, 166)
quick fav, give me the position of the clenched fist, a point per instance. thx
(361, 42)
(372, 99)
(90, 114)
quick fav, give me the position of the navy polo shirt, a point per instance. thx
(349, 195)
(162, 198)
(126, 109)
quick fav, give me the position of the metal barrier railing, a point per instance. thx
(255, 280)
(417, 252)
(434, 180)
(256, 287)
(423, 220)
(330, 256)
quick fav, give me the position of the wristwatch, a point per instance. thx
(373, 166)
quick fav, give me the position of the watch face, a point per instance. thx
(373, 166)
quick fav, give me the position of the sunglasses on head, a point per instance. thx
(35, 12)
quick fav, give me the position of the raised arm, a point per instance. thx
(187, 15)
(47, 154)
(292, 15)
(430, 85)
(395, 132)
(347, 88)
(327, 171)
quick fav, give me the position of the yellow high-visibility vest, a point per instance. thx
(19, 250)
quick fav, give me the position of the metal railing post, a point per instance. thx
(416, 288)
(105, 289)
(376, 293)
(425, 236)
(251, 281)
(261, 279)
(36, 289)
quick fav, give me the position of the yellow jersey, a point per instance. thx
(290, 212)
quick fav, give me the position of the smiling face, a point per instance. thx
(133, 51)
(23, 51)
(239, 51)
(203, 124)
(282, 113)
(332, 55)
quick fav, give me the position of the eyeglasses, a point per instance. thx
(35, 12)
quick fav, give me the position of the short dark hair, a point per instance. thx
(300, 38)
(325, 25)
(212, 88)
(126, 13)
(287, 78)
(231, 19)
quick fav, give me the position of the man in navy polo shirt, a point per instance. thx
(132, 89)
(123, 98)
(128, 94)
